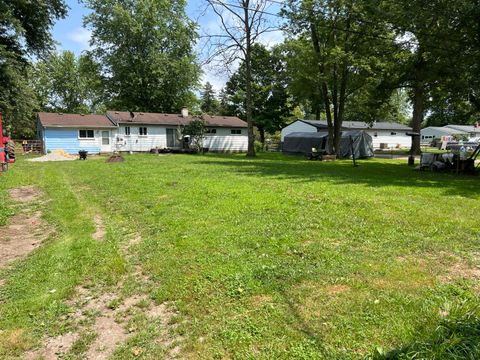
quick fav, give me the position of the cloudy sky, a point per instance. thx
(71, 35)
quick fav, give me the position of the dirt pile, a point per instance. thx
(56, 155)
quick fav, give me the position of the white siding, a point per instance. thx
(297, 126)
(224, 140)
(156, 138)
(97, 141)
(401, 139)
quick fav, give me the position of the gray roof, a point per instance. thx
(464, 128)
(360, 125)
(445, 130)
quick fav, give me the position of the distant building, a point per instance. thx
(384, 134)
(471, 132)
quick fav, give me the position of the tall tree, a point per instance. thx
(347, 48)
(243, 22)
(147, 51)
(209, 101)
(270, 99)
(24, 31)
(69, 84)
(434, 49)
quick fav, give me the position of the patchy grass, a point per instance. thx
(274, 257)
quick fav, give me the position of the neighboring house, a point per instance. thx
(431, 133)
(136, 132)
(384, 134)
(473, 131)
(74, 132)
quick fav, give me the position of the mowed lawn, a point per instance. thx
(274, 257)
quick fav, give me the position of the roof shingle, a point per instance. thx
(74, 120)
(123, 117)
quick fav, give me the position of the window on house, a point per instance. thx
(393, 133)
(236, 131)
(142, 131)
(127, 130)
(86, 134)
(375, 134)
(211, 131)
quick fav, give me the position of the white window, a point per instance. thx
(142, 131)
(393, 133)
(86, 134)
(236, 131)
(127, 130)
(375, 134)
(211, 131)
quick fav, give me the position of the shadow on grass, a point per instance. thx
(455, 337)
(374, 173)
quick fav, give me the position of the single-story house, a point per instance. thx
(473, 131)
(144, 131)
(136, 132)
(384, 134)
(430, 133)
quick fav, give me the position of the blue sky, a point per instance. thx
(70, 34)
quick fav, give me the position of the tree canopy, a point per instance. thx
(146, 49)
(24, 31)
(270, 99)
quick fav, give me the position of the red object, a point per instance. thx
(2, 144)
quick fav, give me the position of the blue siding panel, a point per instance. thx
(66, 139)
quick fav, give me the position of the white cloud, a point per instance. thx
(272, 38)
(218, 80)
(81, 36)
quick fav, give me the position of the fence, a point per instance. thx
(29, 146)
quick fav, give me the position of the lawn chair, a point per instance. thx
(426, 161)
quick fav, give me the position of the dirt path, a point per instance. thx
(25, 231)
(109, 318)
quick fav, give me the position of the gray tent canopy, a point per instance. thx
(301, 143)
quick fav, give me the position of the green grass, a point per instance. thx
(274, 257)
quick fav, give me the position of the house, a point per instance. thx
(135, 132)
(144, 131)
(384, 134)
(430, 133)
(473, 131)
(74, 132)
(470, 132)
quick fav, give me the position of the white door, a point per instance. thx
(105, 146)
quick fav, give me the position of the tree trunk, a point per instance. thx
(261, 130)
(324, 87)
(418, 112)
(341, 108)
(248, 79)
(418, 103)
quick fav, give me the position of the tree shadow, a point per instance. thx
(374, 173)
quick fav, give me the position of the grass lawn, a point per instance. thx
(274, 257)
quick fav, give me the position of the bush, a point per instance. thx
(258, 146)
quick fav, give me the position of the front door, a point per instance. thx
(106, 147)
